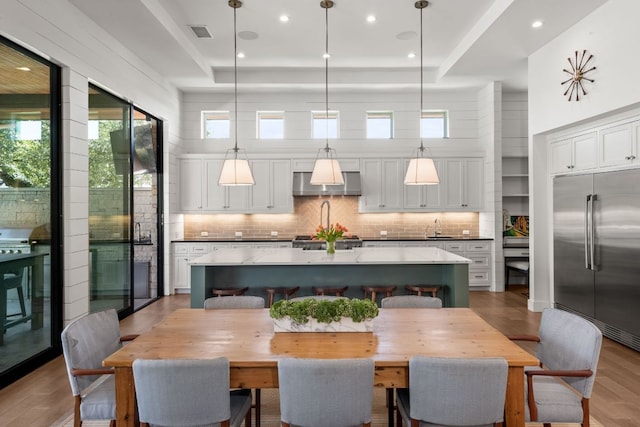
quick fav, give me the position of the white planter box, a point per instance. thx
(345, 325)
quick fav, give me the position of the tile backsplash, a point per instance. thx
(306, 217)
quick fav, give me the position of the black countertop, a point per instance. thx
(365, 239)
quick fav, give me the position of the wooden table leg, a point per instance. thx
(126, 409)
(514, 404)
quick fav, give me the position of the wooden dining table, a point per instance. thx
(247, 339)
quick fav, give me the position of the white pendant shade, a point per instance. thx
(421, 171)
(236, 172)
(327, 172)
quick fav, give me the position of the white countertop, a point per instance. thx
(287, 256)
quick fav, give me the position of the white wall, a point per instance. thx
(610, 34)
(59, 32)
(462, 106)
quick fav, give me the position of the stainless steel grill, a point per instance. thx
(15, 241)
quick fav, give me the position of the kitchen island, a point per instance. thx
(257, 268)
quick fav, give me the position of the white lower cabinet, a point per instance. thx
(185, 252)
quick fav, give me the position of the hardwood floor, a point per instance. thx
(44, 396)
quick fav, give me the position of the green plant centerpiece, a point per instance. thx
(320, 315)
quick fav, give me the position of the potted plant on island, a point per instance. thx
(313, 315)
(330, 235)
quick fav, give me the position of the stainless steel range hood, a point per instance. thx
(302, 186)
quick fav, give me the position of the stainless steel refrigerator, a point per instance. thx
(596, 226)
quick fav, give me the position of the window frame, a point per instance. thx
(315, 116)
(278, 115)
(443, 114)
(381, 113)
(204, 119)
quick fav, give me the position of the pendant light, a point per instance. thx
(421, 170)
(235, 171)
(326, 170)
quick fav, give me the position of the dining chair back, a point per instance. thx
(326, 392)
(411, 301)
(189, 392)
(85, 343)
(568, 350)
(454, 392)
(240, 301)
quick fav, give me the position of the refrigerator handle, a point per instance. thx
(592, 240)
(587, 246)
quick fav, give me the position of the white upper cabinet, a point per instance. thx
(191, 191)
(618, 145)
(574, 154)
(223, 198)
(463, 184)
(423, 197)
(272, 192)
(381, 185)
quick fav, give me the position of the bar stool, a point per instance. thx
(286, 292)
(13, 280)
(225, 292)
(373, 290)
(521, 267)
(432, 290)
(339, 292)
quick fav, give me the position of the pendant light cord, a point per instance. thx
(326, 76)
(235, 82)
(421, 84)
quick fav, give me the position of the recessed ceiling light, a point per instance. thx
(371, 18)
(326, 55)
(536, 24)
(23, 68)
(284, 18)
(240, 54)
(411, 55)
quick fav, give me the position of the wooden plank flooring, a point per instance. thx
(44, 396)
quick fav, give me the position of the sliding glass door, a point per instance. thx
(30, 206)
(110, 250)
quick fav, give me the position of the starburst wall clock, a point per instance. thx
(576, 83)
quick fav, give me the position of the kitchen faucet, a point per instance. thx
(326, 202)
(437, 228)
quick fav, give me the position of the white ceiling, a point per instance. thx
(467, 43)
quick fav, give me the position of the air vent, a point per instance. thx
(201, 31)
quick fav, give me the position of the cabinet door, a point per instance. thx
(560, 153)
(371, 176)
(615, 146)
(221, 198)
(463, 184)
(191, 185)
(381, 180)
(473, 188)
(281, 191)
(260, 200)
(180, 273)
(392, 171)
(423, 197)
(585, 152)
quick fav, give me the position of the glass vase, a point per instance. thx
(331, 247)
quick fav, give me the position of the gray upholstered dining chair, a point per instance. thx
(411, 301)
(239, 301)
(453, 392)
(568, 349)
(326, 392)
(189, 392)
(85, 343)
